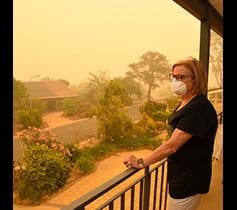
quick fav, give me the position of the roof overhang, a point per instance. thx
(56, 97)
(204, 10)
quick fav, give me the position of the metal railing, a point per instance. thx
(131, 190)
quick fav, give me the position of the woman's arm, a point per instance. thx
(177, 139)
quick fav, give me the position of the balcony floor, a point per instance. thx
(214, 198)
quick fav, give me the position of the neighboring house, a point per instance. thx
(215, 94)
(52, 92)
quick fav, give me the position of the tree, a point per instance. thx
(64, 81)
(20, 95)
(152, 69)
(96, 85)
(114, 124)
(47, 79)
(132, 87)
(216, 57)
(20, 100)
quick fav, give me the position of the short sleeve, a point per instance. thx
(197, 121)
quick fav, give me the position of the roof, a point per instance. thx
(49, 90)
(206, 9)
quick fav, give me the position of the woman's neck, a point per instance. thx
(188, 97)
(185, 100)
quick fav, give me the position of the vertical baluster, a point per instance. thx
(111, 205)
(141, 195)
(147, 185)
(161, 186)
(132, 198)
(122, 202)
(155, 189)
(166, 188)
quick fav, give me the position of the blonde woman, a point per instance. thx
(189, 149)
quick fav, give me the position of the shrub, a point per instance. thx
(69, 107)
(152, 143)
(35, 136)
(115, 129)
(39, 105)
(114, 124)
(84, 108)
(150, 107)
(101, 150)
(18, 168)
(160, 126)
(160, 116)
(31, 118)
(169, 129)
(85, 163)
(75, 152)
(148, 126)
(45, 171)
(140, 142)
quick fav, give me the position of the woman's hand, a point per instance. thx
(131, 161)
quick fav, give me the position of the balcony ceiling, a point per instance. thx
(218, 5)
(206, 10)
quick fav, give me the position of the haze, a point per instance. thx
(67, 39)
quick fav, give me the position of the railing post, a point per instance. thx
(147, 184)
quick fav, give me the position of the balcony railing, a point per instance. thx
(132, 189)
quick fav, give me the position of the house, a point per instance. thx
(50, 91)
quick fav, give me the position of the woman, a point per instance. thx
(189, 149)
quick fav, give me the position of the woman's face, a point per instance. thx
(184, 74)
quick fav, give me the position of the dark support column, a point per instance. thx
(204, 50)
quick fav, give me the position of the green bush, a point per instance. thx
(18, 168)
(148, 126)
(160, 116)
(39, 105)
(46, 170)
(161, 126)
(116, 128)
(151, 107)
(84, 108)
(35, 136)
(69, 107)
(30, 118)
(140, 142)
(85, 163)
(100, 150)
(75, 152)
(169, 129)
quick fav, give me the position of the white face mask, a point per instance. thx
(178, 87)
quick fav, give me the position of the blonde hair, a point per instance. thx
(195, 66)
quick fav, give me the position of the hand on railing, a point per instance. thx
(134, 162)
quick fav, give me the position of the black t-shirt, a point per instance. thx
(190, 167)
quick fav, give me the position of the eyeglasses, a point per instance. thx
(179, 77)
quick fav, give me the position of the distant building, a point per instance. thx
(50, 91)
(215, 94)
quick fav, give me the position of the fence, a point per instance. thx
(143, 189)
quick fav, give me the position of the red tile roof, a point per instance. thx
(49, 90)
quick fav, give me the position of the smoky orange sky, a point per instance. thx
(67, 39)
